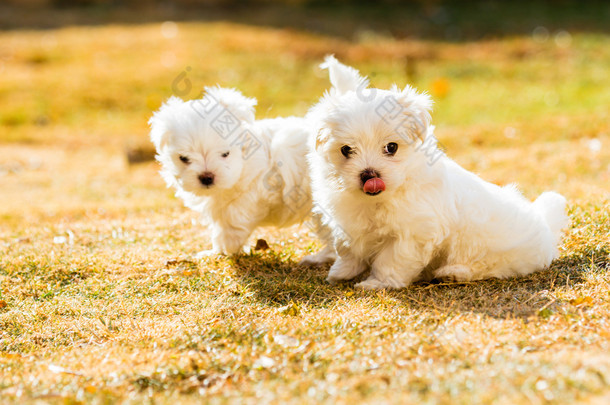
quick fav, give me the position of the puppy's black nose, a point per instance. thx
(207, 178)
(368, 174)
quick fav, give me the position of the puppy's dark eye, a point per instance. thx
(346, 151)
(185, 160)
(225, 154)
(390, 149)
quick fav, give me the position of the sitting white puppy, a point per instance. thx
(399, 206)
(237, 172)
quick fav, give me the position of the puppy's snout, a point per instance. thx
(368, 174)
(372, 184)
(207, 179)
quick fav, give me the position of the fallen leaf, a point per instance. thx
(261, 244)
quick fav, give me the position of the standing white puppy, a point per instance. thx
(239, 173)
(399, 206)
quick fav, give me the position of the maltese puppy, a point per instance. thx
(399, 207)
(239, 173)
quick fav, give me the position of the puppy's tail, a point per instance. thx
(343, 78)
(552, 207)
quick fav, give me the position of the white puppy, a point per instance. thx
(237, 172)
(399, 206)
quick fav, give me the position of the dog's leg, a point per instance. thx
(227, 241)
(454, 272)
(324, 233)
(345, 267)
(393, 268)
(326, 255)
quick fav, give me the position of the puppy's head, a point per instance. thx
(369, 137)
(197, 141)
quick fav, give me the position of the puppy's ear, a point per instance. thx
(161, 120)
(321, 137)
(234, 101)
(415, 111)
(342, 77)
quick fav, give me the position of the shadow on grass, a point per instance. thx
(279, 282)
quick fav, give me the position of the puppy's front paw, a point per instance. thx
(310, 260)
(458, 273)
(322, 257)
(344, 270)
(374, 284)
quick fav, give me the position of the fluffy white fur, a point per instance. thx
(239, 173)
(434, 219)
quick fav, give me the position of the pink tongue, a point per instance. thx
(374, 185)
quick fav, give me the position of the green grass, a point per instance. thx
(102, 302)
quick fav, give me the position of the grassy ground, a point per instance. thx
(102, 302)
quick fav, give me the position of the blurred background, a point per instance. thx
(520, 87)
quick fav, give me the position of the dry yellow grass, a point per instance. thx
(101, 302)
